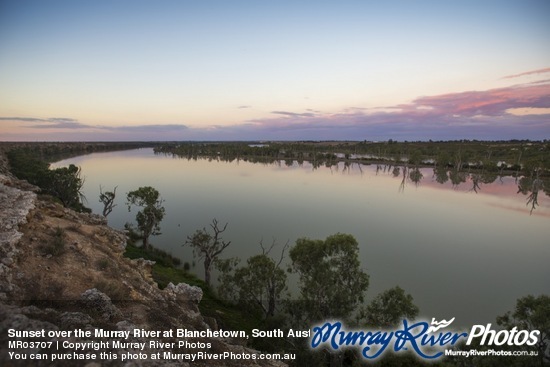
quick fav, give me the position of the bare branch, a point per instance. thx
(262, 246)
(264, 252)
(285, 247)
(107, 198)
(208, 246)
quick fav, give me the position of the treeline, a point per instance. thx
(30, 162)
(51, 152)
(525, 157)
(64, 184)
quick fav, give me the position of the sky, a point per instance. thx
(274, 70)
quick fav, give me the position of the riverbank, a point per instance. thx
(63, 270)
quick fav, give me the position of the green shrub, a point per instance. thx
(57, 245)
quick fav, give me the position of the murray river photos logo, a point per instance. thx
(429, 341)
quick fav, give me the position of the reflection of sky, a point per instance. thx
(458, 253)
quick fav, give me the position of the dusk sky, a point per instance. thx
(274, 70)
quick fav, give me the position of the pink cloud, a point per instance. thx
(471, 114)
(465, 115)
(492, 102)
(539, 71)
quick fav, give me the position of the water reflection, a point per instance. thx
(460, 252)
(531, 187)
(528, 186)
(408, 170)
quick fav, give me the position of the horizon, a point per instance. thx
(246, 71)
(263, 141)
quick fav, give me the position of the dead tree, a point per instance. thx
(108, 199)
(207, 246)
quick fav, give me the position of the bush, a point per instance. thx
(63, 183)
(57, 246)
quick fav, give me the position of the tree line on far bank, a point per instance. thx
(514, 156)
(457, 162)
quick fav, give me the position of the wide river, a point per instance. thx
(457, 252)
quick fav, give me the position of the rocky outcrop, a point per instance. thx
(183, 292)
(101, 304)
(15, 205)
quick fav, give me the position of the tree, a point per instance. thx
(107, 198)
(27, 166)
(66, 184)
(332, 283)
(415, 158)
(389, 308)
(532, 313)
(208, 246)
(259, 285)
(149, 218)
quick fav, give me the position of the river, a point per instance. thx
(459, 252)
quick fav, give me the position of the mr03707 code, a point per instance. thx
(18, 344)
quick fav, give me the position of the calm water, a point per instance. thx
(459, 253)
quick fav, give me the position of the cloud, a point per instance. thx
(24, 119)
(156, 128)
(61, 125)
(465, 115)
(514, 112)
(33, 119)
(541, 81)
(539, 71)
(68, 129)
(244, 106)
(493, 102)
(157, 132)
(294, 114)
(48, 123)
(61, 119)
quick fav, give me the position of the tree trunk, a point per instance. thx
(207, 264)
(146, 235)
(271, 302)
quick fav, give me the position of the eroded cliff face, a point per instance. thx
(62, 270)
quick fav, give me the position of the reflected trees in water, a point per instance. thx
(460, 162)
(532, 183)
(416, 176)
(531, 186)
